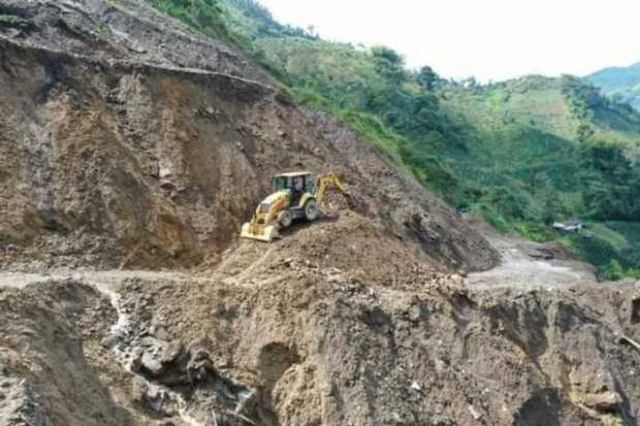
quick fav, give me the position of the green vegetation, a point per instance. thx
(523, 153)
(207, 16)
(13, 21)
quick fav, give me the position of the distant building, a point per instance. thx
(571, 226)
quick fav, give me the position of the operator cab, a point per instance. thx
(297, 182)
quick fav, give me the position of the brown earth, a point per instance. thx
(128, 143)
(279, 335)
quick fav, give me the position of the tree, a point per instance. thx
(389, 64)
(584, 132)
(611, 182)
(427, 78)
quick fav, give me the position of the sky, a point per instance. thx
(486, 39)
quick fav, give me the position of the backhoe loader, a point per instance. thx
(296, 196)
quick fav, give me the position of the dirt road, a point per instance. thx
(529, 265)
(524, 265)
(105, 281)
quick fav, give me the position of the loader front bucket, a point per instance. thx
(266, 233)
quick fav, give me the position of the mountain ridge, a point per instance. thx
(620, 82)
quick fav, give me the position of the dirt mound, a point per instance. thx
(346, 247)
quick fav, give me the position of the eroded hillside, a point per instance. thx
(126, 160)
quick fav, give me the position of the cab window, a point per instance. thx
(310, 184)
(280, 183)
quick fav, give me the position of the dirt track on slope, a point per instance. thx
(529, 265)
(523, 265)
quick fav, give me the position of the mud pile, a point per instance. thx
(128, 142)
(321, 344)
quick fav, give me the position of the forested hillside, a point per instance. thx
(524, 153)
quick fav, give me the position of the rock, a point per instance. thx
(109, 341)
(474, 413)
(172, 350)
(199, 365)
(150, 396)
(170, 364)
(160, 332)
(151, 363)
(139, 389)
(414, 313)
(335, 275)
(164, 172)
(156, 355)
(168, 185)
(605, 401)
(155, 398)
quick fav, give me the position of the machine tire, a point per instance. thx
(284, 218)
(310, 209)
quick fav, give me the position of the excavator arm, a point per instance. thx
(324, 182)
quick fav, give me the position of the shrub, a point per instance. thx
(614, 271)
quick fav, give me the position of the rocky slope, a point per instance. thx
(128, 142)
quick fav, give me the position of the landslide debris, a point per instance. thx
(321, 344)
(284, 341)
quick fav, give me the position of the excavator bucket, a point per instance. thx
(260, 233)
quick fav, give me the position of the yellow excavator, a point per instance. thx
(296, 196)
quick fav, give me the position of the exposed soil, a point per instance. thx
(131, 151)
(296, 332)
